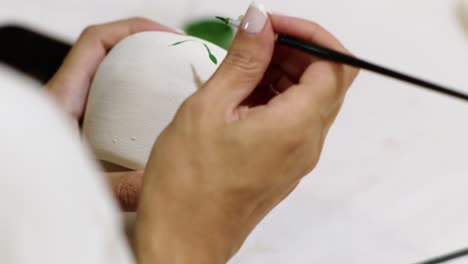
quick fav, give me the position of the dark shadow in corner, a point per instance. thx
(32, 53)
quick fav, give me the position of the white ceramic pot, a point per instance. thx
(137, 90)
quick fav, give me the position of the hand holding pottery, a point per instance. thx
(70, 87)
(240, 144)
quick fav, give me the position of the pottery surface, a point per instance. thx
(137, 90)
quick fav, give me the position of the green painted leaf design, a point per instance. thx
(180, 42)
(212, 57)
(210, 54)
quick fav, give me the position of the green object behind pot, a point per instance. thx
(211, 30)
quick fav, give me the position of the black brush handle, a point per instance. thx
(31, 52)
(335, 56)
(445, 258)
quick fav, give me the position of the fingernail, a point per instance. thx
(254, 19)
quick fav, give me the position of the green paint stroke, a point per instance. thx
(212, 57)
(210, 54)
(180, 42)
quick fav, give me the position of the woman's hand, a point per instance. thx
(70, 86)
(241, 144)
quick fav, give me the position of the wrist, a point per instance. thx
(172, 229)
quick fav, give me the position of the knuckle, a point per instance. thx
(294, 142)
(311, 162)
(246, 61)
(331, 88)
(127, 193)
(125, 197)
(91, 31)
(139, 19)
(194, 119)
(194, 114)
(304, 128)
(315, 32)
(195, 105)
(353, 72)
(314, 28)
(302, 107)
(341, 81)
(295, 139)
(332, 79)
(310, 151)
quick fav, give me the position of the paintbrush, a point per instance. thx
(332, 55)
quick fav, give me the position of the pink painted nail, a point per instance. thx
(254, 19)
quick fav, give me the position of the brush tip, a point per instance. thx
(225, 20)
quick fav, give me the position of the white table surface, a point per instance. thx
(392, 184)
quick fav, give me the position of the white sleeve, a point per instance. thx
(54, 205)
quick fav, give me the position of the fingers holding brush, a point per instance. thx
(292, 62)
(319, 83)
(313, 33)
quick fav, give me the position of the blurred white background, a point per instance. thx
(392, 185)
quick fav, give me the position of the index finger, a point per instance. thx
(96, 41)
(84, 58)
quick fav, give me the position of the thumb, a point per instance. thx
(247, 60)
